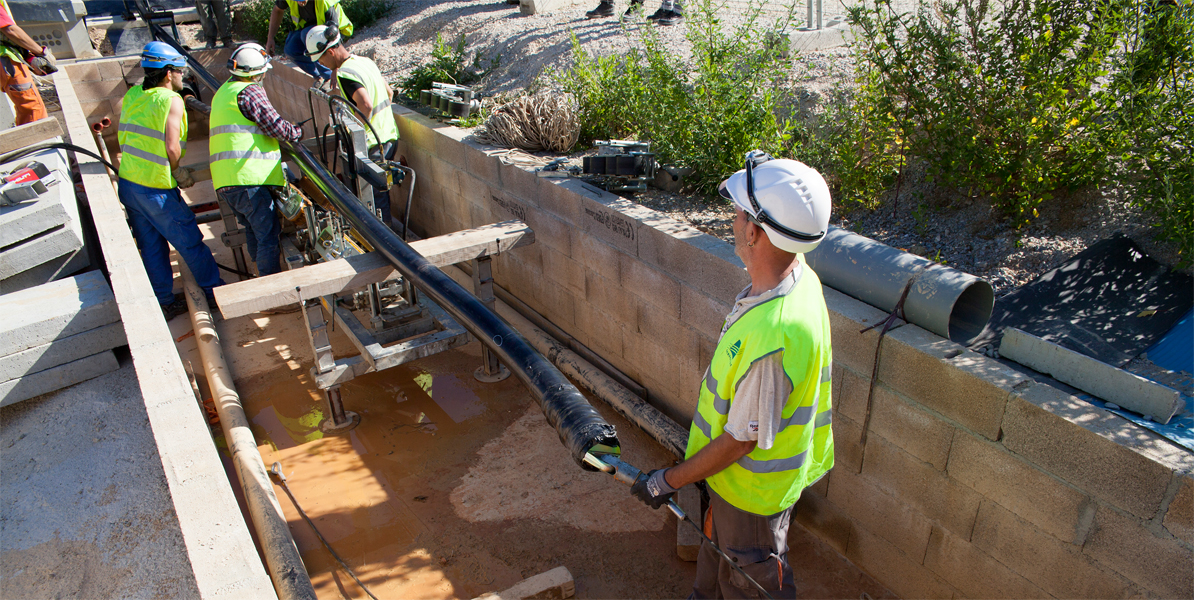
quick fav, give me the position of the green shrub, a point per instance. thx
(1150, 99)
(449, 64)
(1000, 106)
(252, 18)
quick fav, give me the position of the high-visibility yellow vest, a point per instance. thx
(765, 482)
(366, 73)
(240, 153)
(142, 137)
(13, 55)
(321, 9)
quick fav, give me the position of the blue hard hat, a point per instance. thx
(157, 55)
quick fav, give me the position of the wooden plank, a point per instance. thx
(29, 134)
(247, 297)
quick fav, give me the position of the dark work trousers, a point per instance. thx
(381, 198)
(216, 20)
(254, 208)
(760, 545)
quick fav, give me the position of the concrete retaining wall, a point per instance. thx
(975, 480)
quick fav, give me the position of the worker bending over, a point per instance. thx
(761, 432)
(19, 55)
(246, 160)
(306, 14)
(361, 82)
(152, 135)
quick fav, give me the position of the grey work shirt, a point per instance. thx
(758, 403)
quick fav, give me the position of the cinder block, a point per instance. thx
(847, 318)
(475, 191)
(558, 197)
(445, 174)
(96, 109)
(563, 270)
(697, 259)
(550, 231)
(83, 72)
(1055, 566)
(483, 166)
(93, 91)
(44, 382)
(973, 572)
(847, 450)
(1123, 543)
(704, 314)
(60, 352)
(656, 361)
(968, 388)
(1179, 518)
(666, 331)
(611, 298)
(1053, 430)
(823, 518)
(851, 390)
(663, 394)
(904, 424)
(881, 514)
(63, 308)
(449, 147)
(109, 70)
(601, 332)
(1021, 488)
(558, 304)
(926, 489)
(507, 207)
(520, 183)
(900, 573)
(597, 256)
(417, 130)
(650, 284)
(607, 221)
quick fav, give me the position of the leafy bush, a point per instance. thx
(449, 64)
(704, 113)
(252, 18)
(1150, 99)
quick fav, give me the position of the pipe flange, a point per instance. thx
(329, 427)
(481, 376)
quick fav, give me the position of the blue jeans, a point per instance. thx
(159, 216)
(254, 208)
(296, 49)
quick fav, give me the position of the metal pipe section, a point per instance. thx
(946, 301)
(579, 426)
(286, 569)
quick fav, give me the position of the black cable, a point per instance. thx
(236, 271)
(15, 154)
(364, 119)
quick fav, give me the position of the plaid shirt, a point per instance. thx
(255, 106)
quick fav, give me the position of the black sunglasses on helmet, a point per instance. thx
(755, 158)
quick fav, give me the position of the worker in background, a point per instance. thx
(246, 160)
(306, 14)
(152, 136)
(761, 431)
(671, 12)
(361, 82)
(216, 20)
(19, 55)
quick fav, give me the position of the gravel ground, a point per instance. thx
(965, 235)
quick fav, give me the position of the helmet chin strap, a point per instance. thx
(760, 217)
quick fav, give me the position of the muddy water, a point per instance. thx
(450, 488)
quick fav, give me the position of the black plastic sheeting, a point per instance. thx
(579, 426)
(1110, 302)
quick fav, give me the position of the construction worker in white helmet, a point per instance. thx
(761, 431)
(361, 82)
(246, 159)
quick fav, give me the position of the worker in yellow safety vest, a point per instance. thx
(761, 431)
(246, 159)
(361, 82)
(152, 135)
(306, 14)
(20, 55)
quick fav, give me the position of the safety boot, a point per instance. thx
(669, 18)
(635, 8)
(176, 307)
(605, 9)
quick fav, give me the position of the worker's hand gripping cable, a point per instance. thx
(631, 475)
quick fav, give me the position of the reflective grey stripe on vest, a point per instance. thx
(239, 154)
(381, 107)
(827, 373)
(702, 424)
(721, 405)
(772, 466)
(143, 155)
(253, 129)
(142, 130)
(824, 418)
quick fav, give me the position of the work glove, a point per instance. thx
(183, 176)
(653, 489)
(44, 64)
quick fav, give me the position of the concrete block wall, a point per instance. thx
(975, 481)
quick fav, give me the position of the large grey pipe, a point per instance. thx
(946, 301)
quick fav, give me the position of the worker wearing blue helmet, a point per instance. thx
(152, 135)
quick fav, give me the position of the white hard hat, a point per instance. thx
(320, 39)
(787, 198)
(248, 60)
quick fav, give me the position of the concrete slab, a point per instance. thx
(37, 251)
(62, 376)
(83, 498)
(60, 352)
(64, 308)
(1112, 384)
(57, 268)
